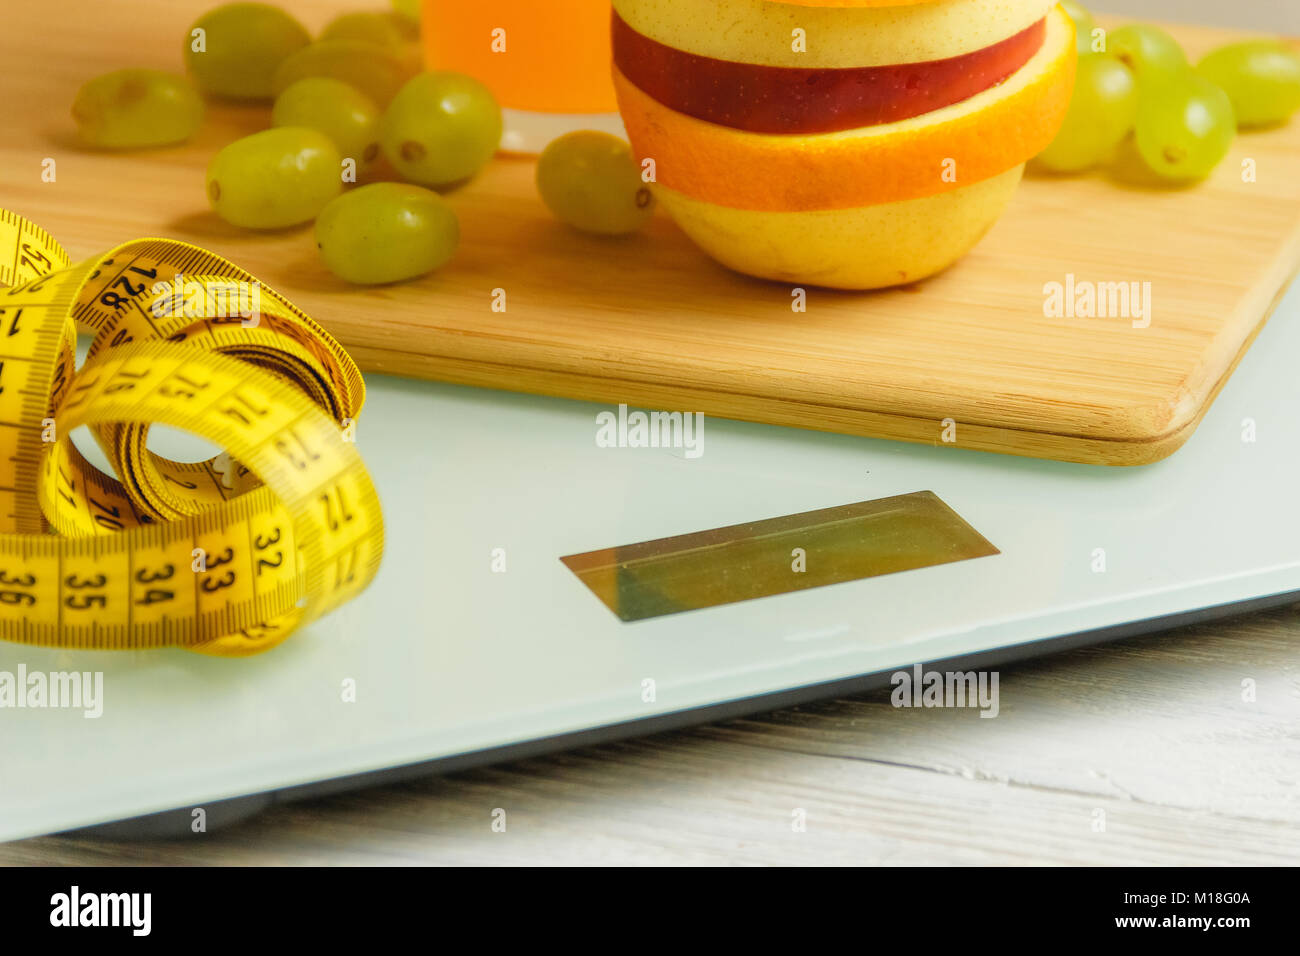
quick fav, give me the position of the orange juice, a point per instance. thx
(547, 61)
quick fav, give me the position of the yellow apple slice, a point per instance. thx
(868, 248)
(839, 37)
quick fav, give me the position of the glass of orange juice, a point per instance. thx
(547, 61)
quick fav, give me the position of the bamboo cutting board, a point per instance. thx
(650, 321)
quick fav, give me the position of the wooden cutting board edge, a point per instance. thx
(1177, 419)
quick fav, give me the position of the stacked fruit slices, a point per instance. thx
(843, 143)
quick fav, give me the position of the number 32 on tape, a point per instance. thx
(223, 557)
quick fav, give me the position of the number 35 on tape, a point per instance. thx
(223, 557)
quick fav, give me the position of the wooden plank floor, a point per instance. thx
(1151, 732)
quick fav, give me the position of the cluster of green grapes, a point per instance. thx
(1183, 118)
(341, 103)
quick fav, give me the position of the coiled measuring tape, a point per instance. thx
(223, 557)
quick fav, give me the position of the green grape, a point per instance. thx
(590, 181)
(1102, 111)
(441, 128)
(374, 70)
(129, 109)
(1184, 127)
(345, 115)
(386, 29)
(1151, 53)
(276, 178)
(386, 232)
(1261, 77)
(1083, 24)
(408, 8)
(397, 34)
(240, 48)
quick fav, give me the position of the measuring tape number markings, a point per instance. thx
(223, 557)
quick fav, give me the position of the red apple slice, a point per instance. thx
(774, 99)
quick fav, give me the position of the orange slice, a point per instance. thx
(938, 152)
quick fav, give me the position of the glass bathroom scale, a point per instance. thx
(543, 588)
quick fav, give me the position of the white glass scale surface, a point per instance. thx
(456, 663)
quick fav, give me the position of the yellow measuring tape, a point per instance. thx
(223, 557)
